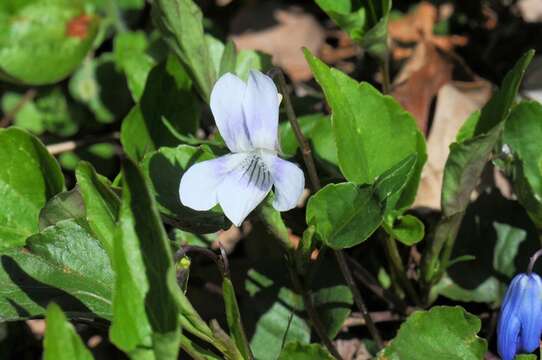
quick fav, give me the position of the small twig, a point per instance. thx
(356, 319)
(28, 96)
(358, 298)
(71, 145)
(301, 139)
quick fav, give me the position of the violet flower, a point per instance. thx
(246, 115)
(520, 320)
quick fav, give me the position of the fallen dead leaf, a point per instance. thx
(530, 10)
(293, 29)
(37, 326)
(417, 26)
(421, 78)
(455, 102)
(352, 349)
(229, 238)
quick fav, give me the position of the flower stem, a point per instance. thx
(535, 257)
(358, 298)
(367, 279)
(316, 323)
(315, 182)
(397, 264)
(301, 139)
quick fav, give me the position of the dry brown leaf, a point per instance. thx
(455, 102)
(229, 238)
(530, 10)
(352, 349)
(417, 26)
(420, 80)
(293, 30)
(37, 326)
(414, 26)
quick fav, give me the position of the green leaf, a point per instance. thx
(365, 22)
(165, 169)
(249, 60)
(29, 177)
(228, 61)
(145, 314)
(42, 42)
(373, 132)
(63, 263)
(101, 204)
(376, 38)
(317, 129)
(466, 162)
(154, 121)
(499, 106)
(408, 229)
(180, 22)
(468, 157)
(233, 316)
(440, 333)
(498, 234)
(61, 341)
(49, 111)
(298, 351)
(225, 58)
(100, 86)
(526, 357)
(63, 206)
(129, 49)
(344, 215)
(390, 185)
(522, 134)
(346, 15)
(27, 117)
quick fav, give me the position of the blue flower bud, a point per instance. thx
(520, 321)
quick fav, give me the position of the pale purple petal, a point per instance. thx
(289, 182)
(227, 100)
(261, 107)
(244, 188)
(199, 184)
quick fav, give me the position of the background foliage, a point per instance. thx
(423, 119)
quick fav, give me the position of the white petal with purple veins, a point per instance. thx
(261, 108)
(244, 188)
(289, 182)
(227, 100)
(199, 184)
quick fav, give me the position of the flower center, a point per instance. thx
(255, 171)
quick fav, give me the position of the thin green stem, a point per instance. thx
(399, 268)
(438, 252)
(115, 15)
